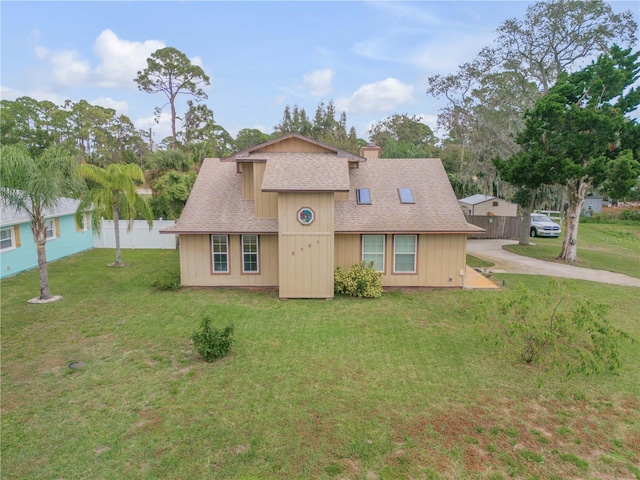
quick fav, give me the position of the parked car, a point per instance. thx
(542, 226)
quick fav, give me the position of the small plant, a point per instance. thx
(359, 281)
(169, 281)
(556, 329)
(211, 342)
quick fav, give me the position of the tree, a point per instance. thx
(111, 191)
(574, 132)
(487, 97)
(296, 122)
(170, 72)
(250, 137)
(170, 193)
(403, 136)
(36, 185)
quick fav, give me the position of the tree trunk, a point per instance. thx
(116, 227)
(173, 123)
(576, 192)
(39, 230)
(525, 227)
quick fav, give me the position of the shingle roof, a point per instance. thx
(11, 216)
(305, 172)
(435, 209)
(476, 199)
(216, 205)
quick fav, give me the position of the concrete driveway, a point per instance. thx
(507, 262)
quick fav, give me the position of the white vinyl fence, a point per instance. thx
(138, 237)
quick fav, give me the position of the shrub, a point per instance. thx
(359, 281)
(632, 215)
(556, 329)
(169, 280)
(211, 342)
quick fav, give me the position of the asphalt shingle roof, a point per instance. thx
(11, 216)
(216, 205)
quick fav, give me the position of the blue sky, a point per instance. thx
(372, 58)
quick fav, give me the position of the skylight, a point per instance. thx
(406, 195)
(363, 196)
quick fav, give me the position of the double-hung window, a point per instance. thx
(51, 228)
(220, 250)
(373, 251)
(404, 253)
(250, 262)
(7, 242)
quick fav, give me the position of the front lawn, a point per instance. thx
(410, 385)
(614, 247)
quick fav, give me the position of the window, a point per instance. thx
(373, 251)
(50, 225)
(220, 248)
(495, 204)
(84, 223)
(364, 196)
(406, 195)
(7, 241)
(250, 254)
(404, 253)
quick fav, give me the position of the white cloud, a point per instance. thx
(319, 82)
(120, 60)
(379, 97)
(67, 69)
(120, 106)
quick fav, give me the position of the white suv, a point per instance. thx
(543, 226)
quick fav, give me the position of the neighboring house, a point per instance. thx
(287, 212)
(483, 205)
(17, 245)
(592, 204)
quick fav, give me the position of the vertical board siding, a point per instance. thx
(306, 252)
(247, 181)
(196, 269)
(440, 260)
(294, 145)
(265, 203)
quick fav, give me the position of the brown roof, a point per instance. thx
(436, 208)
(216, 205)
(305, 172)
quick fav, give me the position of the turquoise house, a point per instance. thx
(18, 248)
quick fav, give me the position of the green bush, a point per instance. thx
(359, 281)
(632, 215)
(555, 328)
(211, 342)
(169, 280)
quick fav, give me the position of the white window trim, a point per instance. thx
(12, 237)
(213, 254)
(85, 222)
(415, 253)
(257, 253)
(53, 228)
(384, 244)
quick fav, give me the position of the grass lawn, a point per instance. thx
(410, 385)
(475, 262)
(612, 247)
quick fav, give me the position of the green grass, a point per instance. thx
(409, 385)
(612, 247)
(475, 262)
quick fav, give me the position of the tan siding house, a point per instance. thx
(485, 205)
(288, 212)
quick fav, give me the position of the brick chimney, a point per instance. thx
(370, 151)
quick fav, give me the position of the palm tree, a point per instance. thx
(111, 192)
(36, 185)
